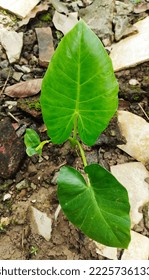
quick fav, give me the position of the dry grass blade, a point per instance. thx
(3, 89)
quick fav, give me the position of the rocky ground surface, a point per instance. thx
(31, 224)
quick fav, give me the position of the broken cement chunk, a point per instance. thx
(132, 176)
(136, 132)
(45, 43)
(132, 50)
(123, 8)
(40, 8)
(40, 223)
(108, 252)
(65, 23)
(99, 17)
(19, 7)
(138, 248)
(59, 6)
(12, 42)
(122, 27)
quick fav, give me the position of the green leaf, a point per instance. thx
(79, 89)
(99, 209)
(32, 141)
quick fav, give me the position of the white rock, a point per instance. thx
(133, 49)
(138, 248)
(131, 175)
(19, 7)
(136, 131)
(40, 223)
(12, 42)
(65, 23)
(108, 252)
(133, 82)
(7, 196)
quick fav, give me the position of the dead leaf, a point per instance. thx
(33, 13)
(65, 23)
(24, 89)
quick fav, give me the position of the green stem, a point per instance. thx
(40, 146)
(82, 153)
(75, 142)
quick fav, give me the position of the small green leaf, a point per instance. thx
(79, 89)
(32, 141)
(100, 209)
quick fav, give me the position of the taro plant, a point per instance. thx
(79, 96)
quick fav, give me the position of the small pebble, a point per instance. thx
(26, 69)
(33, 201)
(22, 185)
(133, 82)
(7, 196)
(5, 221)
(33, 186)
(4, 64)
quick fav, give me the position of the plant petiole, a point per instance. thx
(40, 146)
(75, 142)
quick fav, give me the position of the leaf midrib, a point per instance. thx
(101, 214)
(76, 112)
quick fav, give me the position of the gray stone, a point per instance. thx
(59, 6)
(17, 76)
(142, 7)
(122, 27)
(22, 185)
(5, 72)
(40, 223)
(25, 69)
(45, 42)
(12, 42)
(99, 16)
(91, 157)
(123, 8)
(27, 77)
(4, 64)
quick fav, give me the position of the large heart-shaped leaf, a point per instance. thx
(100, 209)
(79, 89)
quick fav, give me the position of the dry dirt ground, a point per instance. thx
(18, 240)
